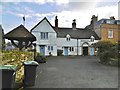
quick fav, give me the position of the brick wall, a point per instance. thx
(104, 28)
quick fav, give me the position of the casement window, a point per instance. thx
(68, 38)
(44, 35)
(50, 48)
(71, 49)
(110, 34)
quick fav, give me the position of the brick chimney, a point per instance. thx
(56, 22)
(94, 19)
(74, 24)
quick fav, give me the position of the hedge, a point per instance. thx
(16, 58)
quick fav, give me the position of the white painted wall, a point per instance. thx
(62, 42)
(44, 26)
(54, 52)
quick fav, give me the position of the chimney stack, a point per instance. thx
(112, 18)
(56, 22)
(94, 19)
(74, 24)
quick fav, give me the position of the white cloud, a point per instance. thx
(58, 2)
(83, 18)
(61, 1)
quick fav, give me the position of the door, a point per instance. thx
(42, 50)
(91, 51)
(65, 51)
(85, 51)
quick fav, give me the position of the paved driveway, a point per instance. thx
(75, 72)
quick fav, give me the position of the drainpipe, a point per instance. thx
(77, 47)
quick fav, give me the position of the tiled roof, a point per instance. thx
(20, 32)
(108, 21)
(79, 33)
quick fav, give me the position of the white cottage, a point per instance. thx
(46, 38)
(72, 41)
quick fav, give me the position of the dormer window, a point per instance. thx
(68, 37)
(92, 38)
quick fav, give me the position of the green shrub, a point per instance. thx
(107, 51)
(104, 57)
(41, 56)
(16, 58)
(103, 45)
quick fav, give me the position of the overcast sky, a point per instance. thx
(35, 10)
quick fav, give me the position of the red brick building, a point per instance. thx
(107, 29)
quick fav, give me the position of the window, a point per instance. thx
(44, 35)
(109, 21)
(50, 48)
(68, 37)
(92, 38)
(71, 49)
(110, 34)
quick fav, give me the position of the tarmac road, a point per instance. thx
(75, 72)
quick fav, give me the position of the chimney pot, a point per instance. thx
(74, 24)
(112, 18)
(56, 22)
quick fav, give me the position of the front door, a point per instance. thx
(65, 51)
(42, 50)
(85, 51)
(91, 51)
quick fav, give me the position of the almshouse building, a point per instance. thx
(72, 41)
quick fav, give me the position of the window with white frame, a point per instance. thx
(68, 37)
(110, 34)
(92, 38)
(71, 49)
(44, 35)
(50, 48)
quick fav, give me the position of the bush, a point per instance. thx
(107, 51)
(16, 58)
(105, 57)
(103, 45)
(41, 56)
